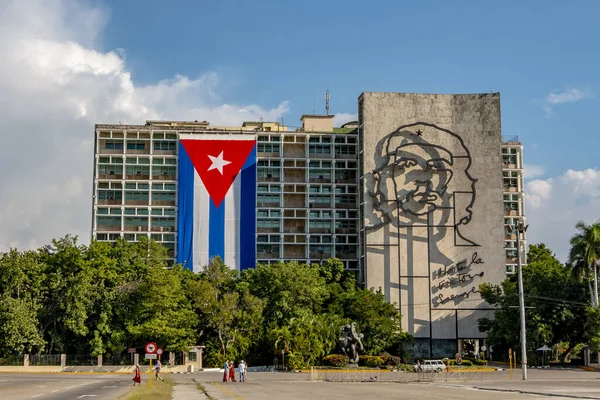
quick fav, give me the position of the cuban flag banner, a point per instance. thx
(217, 200)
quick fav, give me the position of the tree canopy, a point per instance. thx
(107, 297)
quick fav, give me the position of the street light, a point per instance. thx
(519, 228)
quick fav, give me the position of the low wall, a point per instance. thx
(128, 369)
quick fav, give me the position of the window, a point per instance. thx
(109, 169)
(345, 199)
(319, 198)
(163, 171)
(268, 198)
(319, 224)
(319, 149)
(163, 196)
(136, 221)
(267, 148)
(345, 224)
(136, 145)
(268, 223)
(345, 150)
(113, 145)
(319, 174)
(137, 196)
(137, 170)
(103, 221)
(110, 195)
(164, 145)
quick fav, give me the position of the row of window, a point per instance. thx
(313, 223)
(103, 220)
(137, 160)
(136, 211)
(135, 195)
(158, 145)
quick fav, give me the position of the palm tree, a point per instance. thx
(585, 253)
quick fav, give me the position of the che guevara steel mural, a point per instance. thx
(422, 178)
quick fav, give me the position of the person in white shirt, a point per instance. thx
(242, 369)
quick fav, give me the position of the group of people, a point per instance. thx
(137, 377)
(229, 371)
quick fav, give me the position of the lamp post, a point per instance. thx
(519, 228)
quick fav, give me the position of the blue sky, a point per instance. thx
(68, 64)
(270, 51)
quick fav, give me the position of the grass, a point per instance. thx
(158, 391)
(201, 388)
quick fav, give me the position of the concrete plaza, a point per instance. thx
(542, 384)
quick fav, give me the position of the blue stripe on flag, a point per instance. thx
(248, 213)
(185, 210)
(216, 231)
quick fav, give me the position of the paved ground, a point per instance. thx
(545, 384)
(490, 385)
(16, 386)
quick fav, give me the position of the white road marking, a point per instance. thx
(37, 395)
(87, 395)
(104, 387)
(54, 391)
(40, 386)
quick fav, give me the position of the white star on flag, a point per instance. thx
(218, 163)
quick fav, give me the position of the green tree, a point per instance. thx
(584, 254)
(555, 305)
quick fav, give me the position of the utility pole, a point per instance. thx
(519, 228)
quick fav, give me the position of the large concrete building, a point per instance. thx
(432, 208)
(414, 197)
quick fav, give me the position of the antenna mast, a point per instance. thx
(327, 98)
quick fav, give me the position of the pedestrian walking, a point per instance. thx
(226, 371)
(231, 371)
(137, 378)
(242, 369)
(157, 369)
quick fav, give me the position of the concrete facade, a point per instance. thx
(432, 214)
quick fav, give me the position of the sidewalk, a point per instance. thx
(187, 390)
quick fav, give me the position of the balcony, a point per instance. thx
(135, 228)
(346, 230)
(320, 230)
(511, 260)
(268, 255)
(109, 202)
(268, 178)
(110, 151)
(346, 256)
(346, 180)
(137, 177)
(510, 236)
(345, 205)
(267, 230)
(108, 228)
(319, 255)
(162, 228)
(164, 177)
(320, 179)
(294, 229)
(509, 166)
(162, 202)
(510, 212)
(511, 189)
(346, 156)
(136, 202)
(110, 176)
(267, 204)
(320, 205)
(165, 152)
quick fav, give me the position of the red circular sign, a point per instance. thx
(150, 348)
(159, 351)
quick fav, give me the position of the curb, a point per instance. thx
(534, 393)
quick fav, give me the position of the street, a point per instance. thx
(63, 386)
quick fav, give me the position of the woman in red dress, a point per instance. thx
(138, 375)
(231, 372)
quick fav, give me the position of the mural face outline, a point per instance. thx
(416, 176)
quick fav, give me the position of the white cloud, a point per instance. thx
(532, 171)
(54, 85)
(572, 95)
(554, 205)
(341, 118)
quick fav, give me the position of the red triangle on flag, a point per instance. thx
(218, 162)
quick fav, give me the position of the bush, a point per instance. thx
(335, 360)
(466, 363)
(370, 361)
(449, 362)
(390, 360)
(406, 367)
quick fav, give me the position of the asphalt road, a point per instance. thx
(63, 386)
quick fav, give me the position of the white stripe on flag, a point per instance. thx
(201, 212)
(233, 212)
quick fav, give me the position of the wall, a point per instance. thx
(433, 212)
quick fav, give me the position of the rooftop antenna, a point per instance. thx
(327, 98)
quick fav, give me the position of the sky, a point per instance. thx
(68, 64)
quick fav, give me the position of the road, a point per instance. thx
(16, 386)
